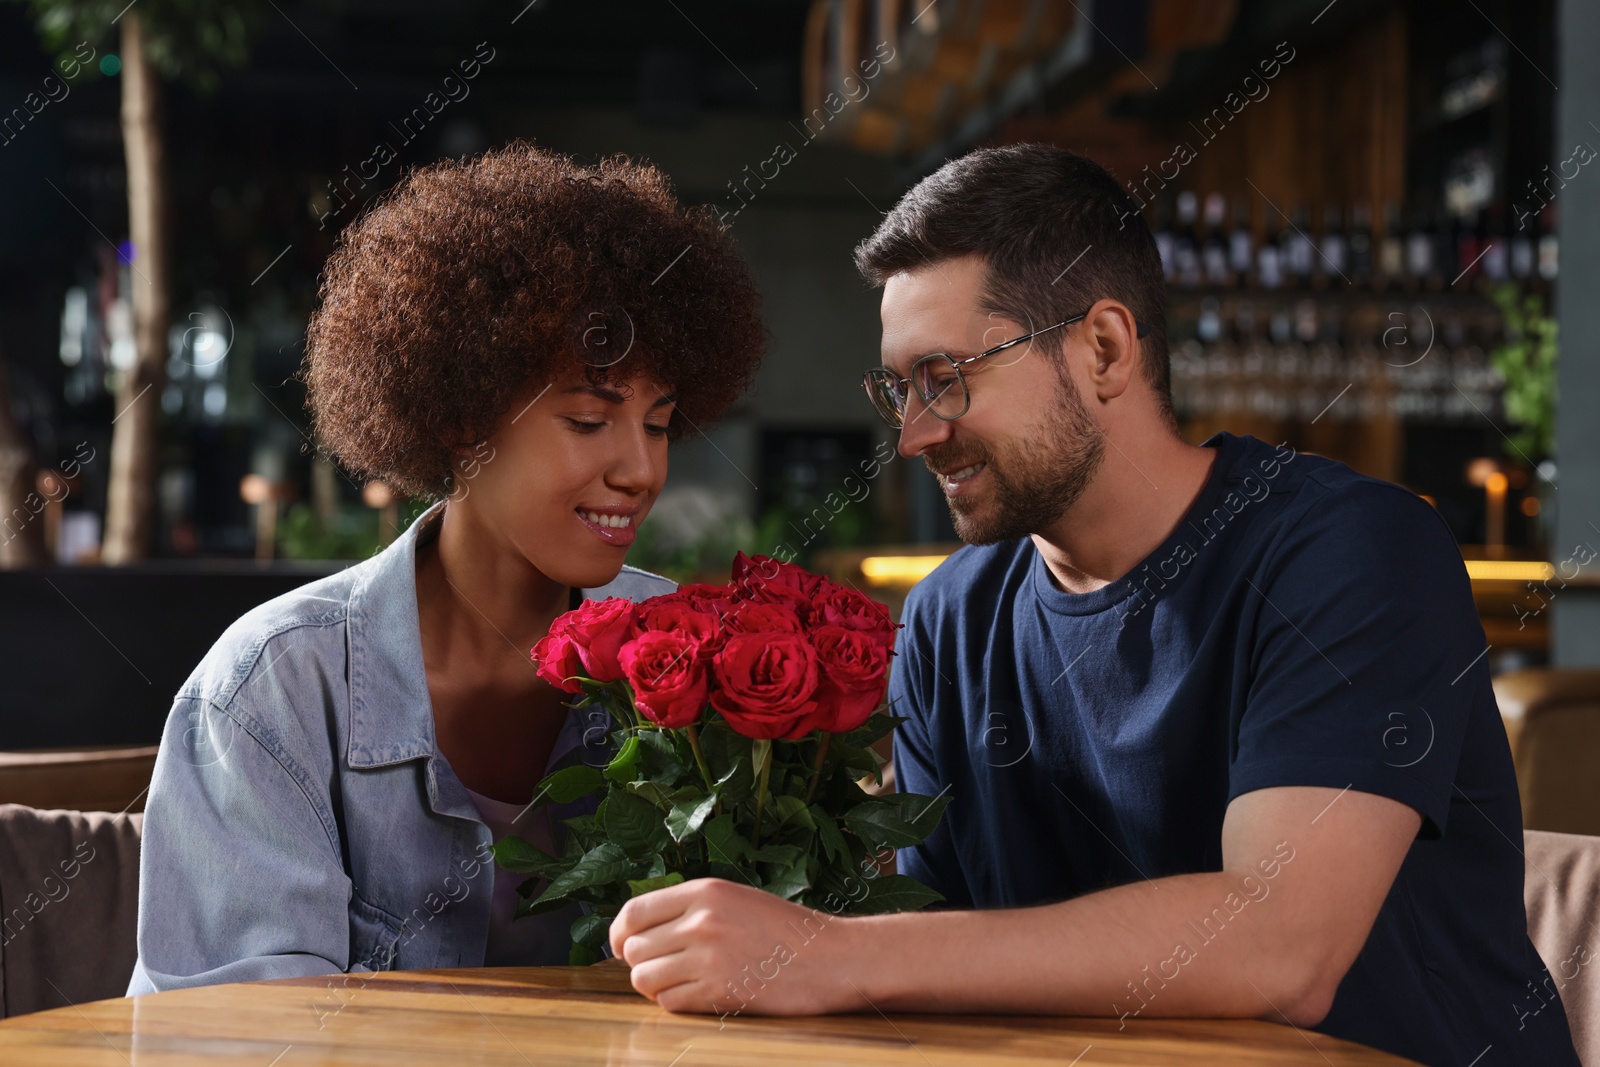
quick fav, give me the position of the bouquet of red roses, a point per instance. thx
(743, 716)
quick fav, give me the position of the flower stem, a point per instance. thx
(816, 768)
(699, 757)
(764, 747)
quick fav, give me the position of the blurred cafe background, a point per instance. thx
(1379, 219)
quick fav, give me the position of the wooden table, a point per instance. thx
(521, 1016)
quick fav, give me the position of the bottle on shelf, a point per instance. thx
(1469, 249)
(1269, 256)
(1548, 245)
(1164, 238)
(1419, 248)
(1214, 252)
(1241, 244)
(1523, 236)
(1299, 252)
(1446, 237)
(1391, 250)
(1185, 249)
(1495, 266)
(1332, 261)
(1359, 243)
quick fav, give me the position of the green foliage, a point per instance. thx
(353, 533)
(1527, 361)
(683, 563)
(189, 40)
(667, 815)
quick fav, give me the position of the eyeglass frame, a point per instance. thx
(903, 386)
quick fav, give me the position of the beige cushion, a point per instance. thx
(1552, 719)
(69, 884)
(1562, 892)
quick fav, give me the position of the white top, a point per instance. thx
(522, 942)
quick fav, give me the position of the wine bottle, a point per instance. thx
(1300, 252)
(1269, 257)
(1214, 252)
(1241, 245)
(1164, 238)
(1495, 265)
(1185, 250)
(1391, 252)
(1360, 244)
(1333, 255)
(1548, 246)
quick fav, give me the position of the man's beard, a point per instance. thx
(1037, 476)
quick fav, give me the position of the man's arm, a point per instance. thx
(1306, 870)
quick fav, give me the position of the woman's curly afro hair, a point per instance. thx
(472, 284)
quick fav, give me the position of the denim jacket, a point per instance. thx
(301, 819)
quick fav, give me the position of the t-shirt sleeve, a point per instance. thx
(1362, 627)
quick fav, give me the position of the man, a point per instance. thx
(1215, 721)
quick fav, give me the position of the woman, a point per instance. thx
(516, 337)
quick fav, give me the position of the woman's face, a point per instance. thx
(568, 476)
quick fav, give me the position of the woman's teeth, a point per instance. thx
(615, 522)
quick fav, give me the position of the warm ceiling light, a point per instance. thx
(1509, 570)
(899, 570)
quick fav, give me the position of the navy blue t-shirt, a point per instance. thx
(1304, 625)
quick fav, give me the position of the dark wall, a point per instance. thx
(93, 656)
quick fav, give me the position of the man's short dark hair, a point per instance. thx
(1057, 232)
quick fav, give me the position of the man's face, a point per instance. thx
(1027, 447)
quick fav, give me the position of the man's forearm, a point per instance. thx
(1198, 944)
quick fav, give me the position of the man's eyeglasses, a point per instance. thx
(939, 381)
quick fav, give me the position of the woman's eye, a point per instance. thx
(582, 426)
(657, 431)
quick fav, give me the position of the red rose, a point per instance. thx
(853, 670)
(680, 616)
(837, 606)
(754, 617)
(559, 661)
(765, 684)
(711, 599)
(601, 628)
(668, 678)
(764, 570)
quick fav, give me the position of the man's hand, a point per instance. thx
(711, 945)
(1292, 931)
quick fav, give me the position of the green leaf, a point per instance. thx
(623, 766)
(526, 906)
(604, 864)
(724, 843)
(833, 843)
(782, 855)
(582, 956)
(789, 881)
(791, 809)
(654, 792)
(633, 824)
(878, 726)
(895, 892)
(639, 886)
(898, 820)
(591, 929)
(515, 854)
(728, 758)
(659, 760)
(687, 816)
(568, 784)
